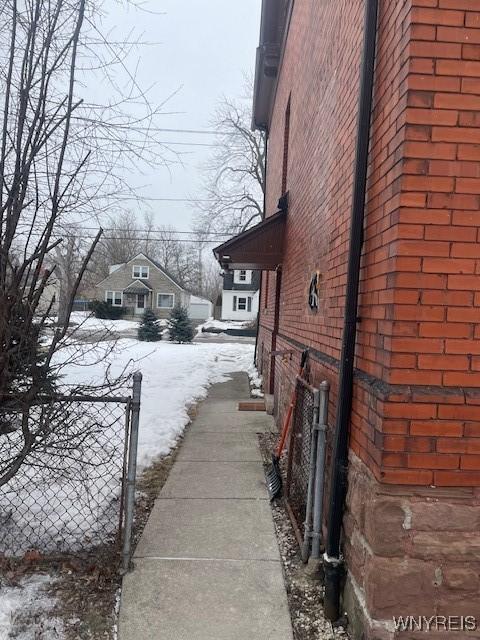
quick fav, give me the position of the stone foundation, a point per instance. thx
(410, 552)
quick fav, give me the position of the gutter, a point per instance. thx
(276, 324)
(260, 288)
(333, 561)
(269, 60)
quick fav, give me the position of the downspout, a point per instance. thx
(255, 355)
(276, 323)
(333, 562)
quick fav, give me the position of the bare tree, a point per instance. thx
(234, 183)
(62, 159)
(39, 176)
(68, 259)
(126, 236)
(120, 243)
(178, 257)
(212, 282)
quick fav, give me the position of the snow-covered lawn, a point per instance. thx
(77, 506)
(223, 324)
(84, 321)
(174, 377)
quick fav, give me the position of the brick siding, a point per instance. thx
(410, 530)
(416, 404)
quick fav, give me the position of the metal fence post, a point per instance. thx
(305, 550)
(320, 471)
(128, 418)
(131, 472)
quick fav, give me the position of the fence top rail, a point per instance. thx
(301, 381)
(82, 398)
(73, 398)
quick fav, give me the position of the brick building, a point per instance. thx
(411, 524)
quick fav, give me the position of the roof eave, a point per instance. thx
(266, 70)
(275, 24)
(138, 284)
(258, 248)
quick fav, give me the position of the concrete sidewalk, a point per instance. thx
(207, 566)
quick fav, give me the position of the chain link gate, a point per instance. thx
(69, 495)
(298, 465)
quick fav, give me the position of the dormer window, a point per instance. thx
(139, 272)
(242, 276)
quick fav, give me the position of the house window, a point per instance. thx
(165, 300)
(139, 272)
(115, 298)
(242, 304)
(242, 276)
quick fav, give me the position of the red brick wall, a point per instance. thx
(323, 92)
(435, 317)
(414, 549)
(321, 101)
(416, 410)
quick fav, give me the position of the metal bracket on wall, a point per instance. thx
(282, 353)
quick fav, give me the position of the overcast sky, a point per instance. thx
(205, 48)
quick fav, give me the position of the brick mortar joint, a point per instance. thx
(379, 388)
(467, 496)
(373, 623)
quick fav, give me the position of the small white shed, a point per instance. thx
(200, 308)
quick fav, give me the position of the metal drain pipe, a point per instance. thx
(307, 527)
(314, 511)
(333, 562)
(320, 471)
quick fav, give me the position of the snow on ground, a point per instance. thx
(256, 381)
(28, 598)
(223, 324)
(79, 507)
(174, 377)
(86, 321)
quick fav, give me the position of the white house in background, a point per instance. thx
(142, 283)
(240, 295)
(200, 308)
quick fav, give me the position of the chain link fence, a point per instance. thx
(298, 465)
(68, 495)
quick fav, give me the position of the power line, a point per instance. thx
(188, 144)
(151, 129)
(167, 232)
(200, 131)
(148, 231)
(192, 200)
(126, 238)
(153, 199)
(83, 236)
